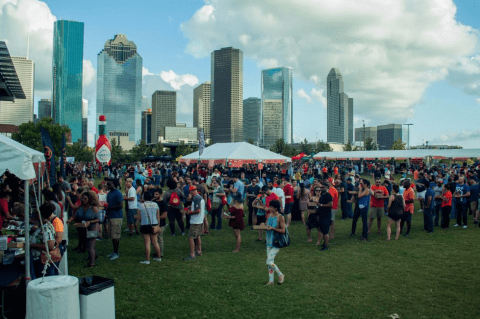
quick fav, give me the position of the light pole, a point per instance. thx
(408, 126)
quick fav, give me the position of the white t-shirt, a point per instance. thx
(280, 194)
(132, 204)
(197, 203)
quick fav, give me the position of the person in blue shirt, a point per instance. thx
(115, 217)
(238, 186)
(429, 208)
(462, 191)
(157, 179)
(474, 196)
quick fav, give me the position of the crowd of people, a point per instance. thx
(316, 194)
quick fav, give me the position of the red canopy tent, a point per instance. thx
(298, 157)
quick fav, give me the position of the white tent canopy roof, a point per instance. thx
(235, 151)
(423, 153)
(18, 158)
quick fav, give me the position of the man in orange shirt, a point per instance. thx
(334, 194)
(377, 204)
(409, 197)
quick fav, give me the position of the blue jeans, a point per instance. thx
(438, 209)
(364, 213)
(217, 218)
(428, 220)
(461, 208)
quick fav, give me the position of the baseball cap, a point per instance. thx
(192, 188)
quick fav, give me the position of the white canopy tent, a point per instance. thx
(19, 160)
(235, 154)
(455, 154)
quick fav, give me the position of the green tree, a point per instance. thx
(250, 141)
(140, 150)
(183, 149)
(305, 147)
(30, 136)
(322, 147)
(118, 155)
(370, 145)
(280, 147)
(158, 150)
(81, 152)
(349, 147)
(398, 145)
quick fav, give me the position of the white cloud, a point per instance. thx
(477, 100)
(89, 73)
(388, 51)
(302, 94)
(457, 137)
(177, 81)
(318, 94)
(145, 71)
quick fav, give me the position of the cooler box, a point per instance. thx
(97, 298)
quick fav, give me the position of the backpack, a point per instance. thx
(174, 200)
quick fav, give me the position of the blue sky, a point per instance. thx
(403, 61)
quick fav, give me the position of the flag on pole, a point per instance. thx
(49, 156)
(201, 141)
(63, 159)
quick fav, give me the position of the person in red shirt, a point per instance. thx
(377, 204)
(446, 206)
(288, 191)
(409, 197)
(334, 194)
(4, 210)
(270, 196)
(92, 187)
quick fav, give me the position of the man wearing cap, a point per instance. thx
(197, 212)
(438, 189)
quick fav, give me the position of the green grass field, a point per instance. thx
(423, 276)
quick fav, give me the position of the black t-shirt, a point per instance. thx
(378, 173)
(162, 206)
(421, 188)
(350, 188)
(325, 212)
(252, 190)
(344, 193)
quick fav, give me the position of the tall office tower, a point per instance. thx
(350, 120)
(277, 106)
(201, 108)
(387, 134)
(337, 109)
(20, 111)
(227, 96)
(44, 108)
(362, 134)
(252, 119)
(67, 75)
(164, 112)
(85, 121)
(147, 126)
(119, 86)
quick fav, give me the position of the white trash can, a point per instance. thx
(97, 298)
(53, 297)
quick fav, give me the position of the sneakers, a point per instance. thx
(420, 210)
(183, 234)
(188, 258)
(111, 255)
(157, 259)
(145, 262)
(465, 226)
(127, 230)
(281, 279)
(115, 256)
(456, 225)
(325, 247)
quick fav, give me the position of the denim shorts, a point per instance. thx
(131, 214)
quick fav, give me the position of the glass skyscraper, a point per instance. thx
(119, 86)
(277, 106)
(339, 110)
(252, 119)
(68, 75)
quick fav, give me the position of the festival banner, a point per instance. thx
(49, 156)
(63, 158)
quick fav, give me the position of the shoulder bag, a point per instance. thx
(281, 240)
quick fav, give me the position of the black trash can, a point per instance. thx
(97, 298)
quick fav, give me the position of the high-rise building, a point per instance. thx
(119, 86)
(351, 130)
(21, 110)
(68, 75)
(370, 132)
(147, 126)
(388, 134)
(277, 106)
(252, 119)
(201, 108)
(44, 108)
(164, 112)
(339, 110)
(85, 121)
(227, 96)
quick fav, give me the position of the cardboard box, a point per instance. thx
(80, 225)
(260, 227)
(16, 245)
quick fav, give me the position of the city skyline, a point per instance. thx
(390, 82)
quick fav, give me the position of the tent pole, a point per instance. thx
(27, 232)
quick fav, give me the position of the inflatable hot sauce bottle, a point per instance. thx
(103, 150)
